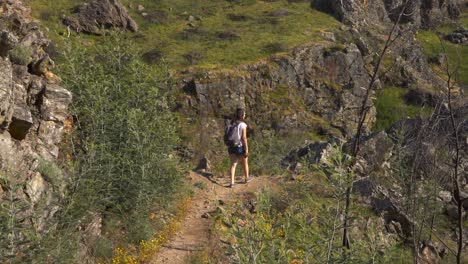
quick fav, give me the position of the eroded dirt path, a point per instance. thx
(194, 233)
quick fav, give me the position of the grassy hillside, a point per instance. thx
(456, 54)
(206, 33)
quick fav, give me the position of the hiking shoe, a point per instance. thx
(232, 185)
(248, 180)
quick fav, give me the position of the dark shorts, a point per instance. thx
(237, 150)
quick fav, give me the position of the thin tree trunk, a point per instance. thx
(455, 179)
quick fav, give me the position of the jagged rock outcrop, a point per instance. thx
(421, 13)
(404, 64)
(97, 16)
(33, 111)
(316, 87)
(459, 36)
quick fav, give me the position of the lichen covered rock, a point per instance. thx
(96, 17)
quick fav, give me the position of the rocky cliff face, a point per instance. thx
(319, 86)
(420, 13)
(316, 87)
(33, 110)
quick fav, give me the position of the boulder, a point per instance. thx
(385, 204)
(204, 165)
(464, 198)
(7, 42)
(445, 196)
(43, 65)
(98, 16)
(91, 230)
(313, 153)
(353, 12)
(432, 252)
(375, 150)
(35, 187)
(459, 36)
(55, 103)
(452, 212)
(21, 122)
(26, 109)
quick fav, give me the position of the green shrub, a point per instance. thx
(200, 185)
(306, 228)
(242, 2)
(21, 55)
(51, 172)
(391, 107)
(275, 47)
(268, 149)
(102, 248)
(193, 57)
(139, 228)
(124, 162)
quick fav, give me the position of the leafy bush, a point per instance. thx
(267, 150)
(193, 57)
(391, 107)
(200, 185)
(300, 225)
(275, 47)
(21, 55)
(152, 57)
(102, 248)
(139, 229)
(51, 172)
(124, 160)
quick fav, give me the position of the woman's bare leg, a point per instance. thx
(245, 166)
(232, 170)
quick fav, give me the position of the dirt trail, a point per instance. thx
(194, 233)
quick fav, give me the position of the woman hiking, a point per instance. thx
(238, 147)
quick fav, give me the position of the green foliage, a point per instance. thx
(200, 185)
(275, 47)
(51, 172)
(268, 149)
(302, 223)
(167, 20)
(455, 53)
(20, 55)
(139, 228)
(126, 132)
(102, 248)
(419, 198)
(391, 107)
(124, 162)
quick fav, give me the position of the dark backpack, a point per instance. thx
(231, 135)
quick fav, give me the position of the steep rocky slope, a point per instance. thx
(319, 86)
(421, 13)
(33, 113)
(316, 87)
